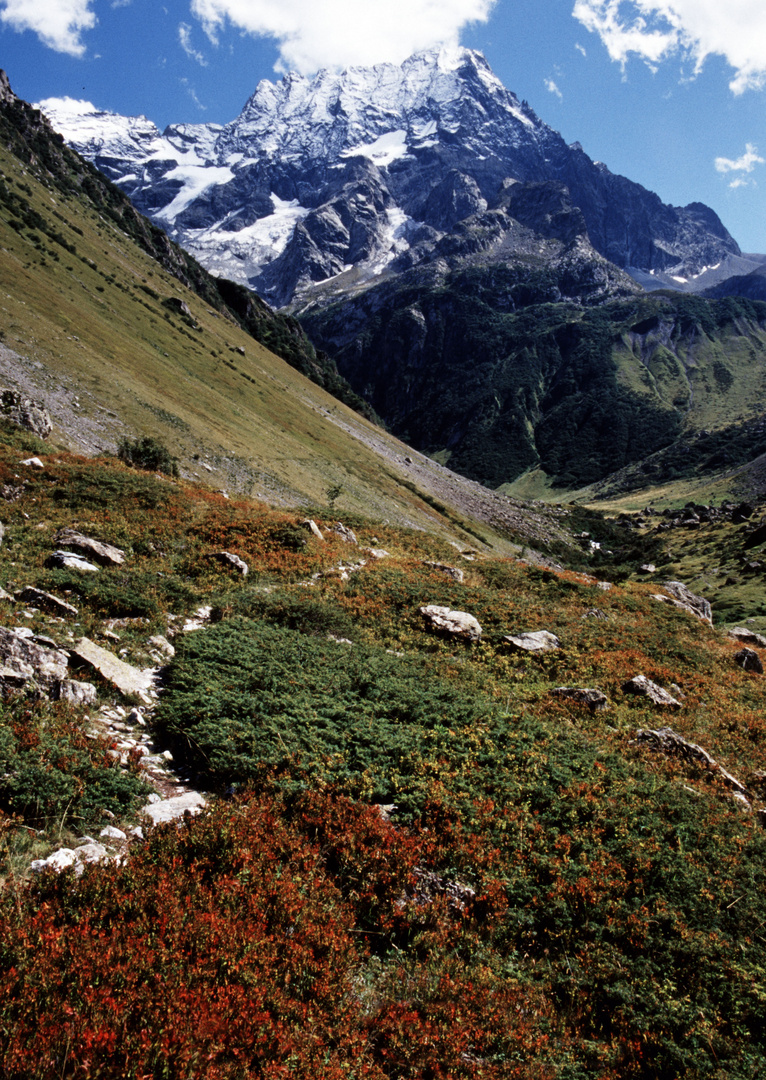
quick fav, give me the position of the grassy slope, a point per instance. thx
(618, 926)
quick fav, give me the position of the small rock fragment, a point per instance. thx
(345, 534)
(450, 571)
(234, 561)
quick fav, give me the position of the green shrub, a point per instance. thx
(147, 453)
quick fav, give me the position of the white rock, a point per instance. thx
(457, 624)
(172, 809)
(112, 833)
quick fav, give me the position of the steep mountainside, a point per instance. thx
(482, 369)
(371, 169)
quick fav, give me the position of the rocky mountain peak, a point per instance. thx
(352, 175)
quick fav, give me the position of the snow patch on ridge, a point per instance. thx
(386, 149)
(196, 179)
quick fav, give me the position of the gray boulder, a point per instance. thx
(643, 687)
(23, 663)
(540, 641)
(68, 560)
(747, 637)
(595, 700)
(172, 809)
(104, 554)
(129, 680)
(344, 533)
(749, 660)
(28, 414)
(457, 624)
(76, 693)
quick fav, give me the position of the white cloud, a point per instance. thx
(339, 33)
(552, 88)
(193, 94)
(184, 38)
(743, 164)
(656, 30)
(580, 48)
(58, 23)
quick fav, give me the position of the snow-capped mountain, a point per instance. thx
(369, 170)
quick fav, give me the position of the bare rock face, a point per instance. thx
(457, 624)
(70, 560)
(680, 596)
(644, 687)
(540, 641)
(104, 554)
(21, 410)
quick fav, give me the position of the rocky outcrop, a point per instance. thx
(228, 558)
(27, 665)
(679, 595)
(70, 560)
(23, 411)
(672, 744)
(47, 601)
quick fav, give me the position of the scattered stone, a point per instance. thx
(648, 568)
(749, 660)
(31, 415)
(376, 553)
(113, 833)
(47, 601)
(644, 687)
(427, 886)
(749, 637)
(198, 620)
(5, 595)
(605, 586)
(595, 613)
(457, 624)
(345, 534)
(33, 462)
(136, 832)
(232, 560)
(67, 560)
(162, 646)
(77, 693)
(312, 527)
(681, 597)
(451, 571)
(594, 699)
(539, 641)
(172, 809)
(129, 680)
(89, 852)
(105, 554)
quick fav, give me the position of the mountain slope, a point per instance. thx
(359, 169)
(114, 343)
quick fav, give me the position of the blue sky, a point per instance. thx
(671, 93)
